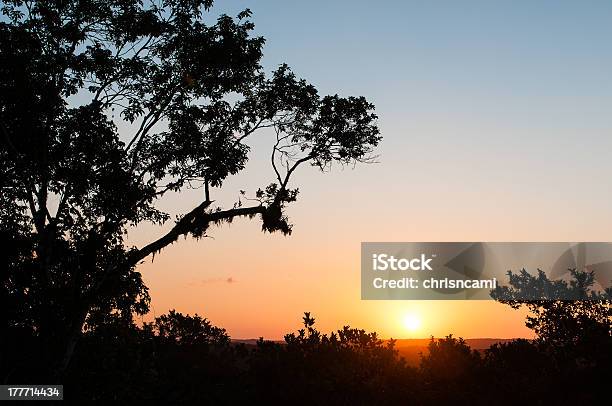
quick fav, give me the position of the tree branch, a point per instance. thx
(197, 218)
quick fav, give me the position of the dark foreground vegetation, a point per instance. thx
(184, 359)
(180, 359)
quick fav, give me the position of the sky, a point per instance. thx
(496, 118)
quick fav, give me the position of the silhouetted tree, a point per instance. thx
(188, 330)
(521, 372)
(444, 353)
(177, 358)
(563, 312)
(573, 326)
(106, 106)
(451, 370)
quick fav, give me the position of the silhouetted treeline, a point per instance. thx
(185, 360)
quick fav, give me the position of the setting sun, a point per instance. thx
(412, 322)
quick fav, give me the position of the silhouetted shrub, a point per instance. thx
(450, 364)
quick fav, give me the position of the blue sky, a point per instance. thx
(510, 98)
(430, 54)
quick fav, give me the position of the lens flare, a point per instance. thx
(412, 322)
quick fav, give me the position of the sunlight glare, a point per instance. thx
(412, 322)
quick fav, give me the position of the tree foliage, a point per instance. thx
(107, 106)
(563, 313)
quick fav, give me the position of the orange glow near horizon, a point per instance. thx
(258, 285)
